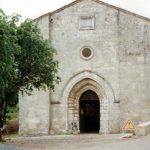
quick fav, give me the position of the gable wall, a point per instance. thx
(121, 45)
(68, 39)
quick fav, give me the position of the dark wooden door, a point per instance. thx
(89, 112)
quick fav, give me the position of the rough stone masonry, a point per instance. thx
(104, 64)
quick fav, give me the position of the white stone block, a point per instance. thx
(143, 129)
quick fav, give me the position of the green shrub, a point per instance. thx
(12, 113)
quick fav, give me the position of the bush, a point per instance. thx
(12, 113)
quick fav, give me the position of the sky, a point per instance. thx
(35, 8)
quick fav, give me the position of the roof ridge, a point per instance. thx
(123, 10)
(98, 1)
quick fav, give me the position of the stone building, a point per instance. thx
(104, 65)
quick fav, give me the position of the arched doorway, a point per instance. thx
(72, 93)
(89, 112)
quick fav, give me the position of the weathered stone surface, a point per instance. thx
(118, 70)
(34, 113)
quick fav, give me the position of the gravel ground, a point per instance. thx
(80, 142)
(5, 147)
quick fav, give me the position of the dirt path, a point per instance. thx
(81, 142)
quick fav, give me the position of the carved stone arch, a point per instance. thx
(84, 85)
(74, 89)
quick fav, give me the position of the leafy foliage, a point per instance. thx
(36, 66)
(12, 113)
(8, 49)
(26, 61)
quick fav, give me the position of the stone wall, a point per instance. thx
(34, 113)
(120, 43)
(71, 30)
(34, 110)
(134, 50)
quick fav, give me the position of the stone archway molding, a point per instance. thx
(91, 75)
(98, 83)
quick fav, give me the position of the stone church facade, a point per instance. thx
(104, 64)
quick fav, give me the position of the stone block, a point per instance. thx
(143, 129)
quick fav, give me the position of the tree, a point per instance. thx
(8, 49)
(26, 61)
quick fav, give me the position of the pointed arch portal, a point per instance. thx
(88, 92)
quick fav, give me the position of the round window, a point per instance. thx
(86, 53)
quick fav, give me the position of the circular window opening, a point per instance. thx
(86, 52)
